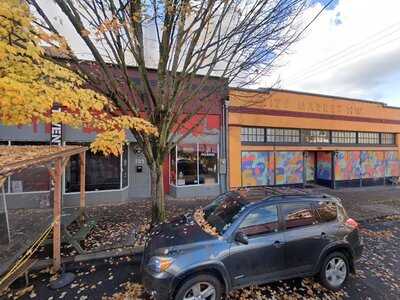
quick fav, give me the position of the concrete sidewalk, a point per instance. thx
(106, 277)
(368, 202)
(361, 203)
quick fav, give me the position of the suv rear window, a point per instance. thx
(327, 211)
(298, 215)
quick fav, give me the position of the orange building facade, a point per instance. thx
(279, 137)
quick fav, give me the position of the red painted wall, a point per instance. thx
(166, 175)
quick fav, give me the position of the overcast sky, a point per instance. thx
(352, 50)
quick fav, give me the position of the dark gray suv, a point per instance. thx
(251, 237)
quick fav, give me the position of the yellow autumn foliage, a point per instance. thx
(30, 85)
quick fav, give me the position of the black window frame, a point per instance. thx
(315, 133)
(282, 136)
(252, 134)
(287, 135)
(301, 136)
(368, 137)
(69, 188)
(384, 138)
(343, 137)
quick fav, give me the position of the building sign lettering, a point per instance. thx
(56, 130)
(314, 107)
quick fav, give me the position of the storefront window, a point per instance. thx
(368, 138)
(32, 179)
(194, 164)
(187, 171)
(316, 136)
(344, 137)
(388, 138)
(287, 135)
(313, 136)
(255, 135)
(208, 168)
(102, 172)
(281, 135)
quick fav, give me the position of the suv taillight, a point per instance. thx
(352, 223)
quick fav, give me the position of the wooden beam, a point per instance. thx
(51, 172)
(65, 162)
(40, 159)
(45, 263)
(22, 269)
(2, 180)
(57, 215)
(82, 199)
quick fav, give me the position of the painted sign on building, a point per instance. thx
(56, 130)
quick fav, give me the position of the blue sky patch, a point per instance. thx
(323, 2)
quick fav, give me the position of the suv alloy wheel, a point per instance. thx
(200, 287)
(334, 271)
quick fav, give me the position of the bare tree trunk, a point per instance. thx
(157, 193)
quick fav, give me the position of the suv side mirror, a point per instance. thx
(241, 237)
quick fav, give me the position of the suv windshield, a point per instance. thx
(224, 210)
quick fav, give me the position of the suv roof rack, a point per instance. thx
(262, 192)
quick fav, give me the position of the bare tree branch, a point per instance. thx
(202, 46)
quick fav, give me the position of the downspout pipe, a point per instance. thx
(226, 140)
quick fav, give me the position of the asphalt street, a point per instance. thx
(378, 275)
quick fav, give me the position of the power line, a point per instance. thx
(346, 51)
(356, 45)
(351, 60)
(344, 59)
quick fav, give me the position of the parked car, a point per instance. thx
(260, 239)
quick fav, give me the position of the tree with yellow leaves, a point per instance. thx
(31, 84)
(237, 41)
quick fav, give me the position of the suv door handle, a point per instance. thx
(277, 244)
(323, 235)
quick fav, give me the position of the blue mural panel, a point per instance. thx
(289, 167)
(324, 165)
(257, 168)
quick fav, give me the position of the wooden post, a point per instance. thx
(57, 216)
(3, 193)
(82, 200)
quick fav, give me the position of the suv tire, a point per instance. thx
(335, 270)
(204, 285)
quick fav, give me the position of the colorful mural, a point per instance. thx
(392, 164)
(324, 165)
(310, 166)
(347, 166)
(289, 167)
(257, 168)
(372, 164)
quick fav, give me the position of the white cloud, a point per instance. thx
(352, 50)
(362, 36)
